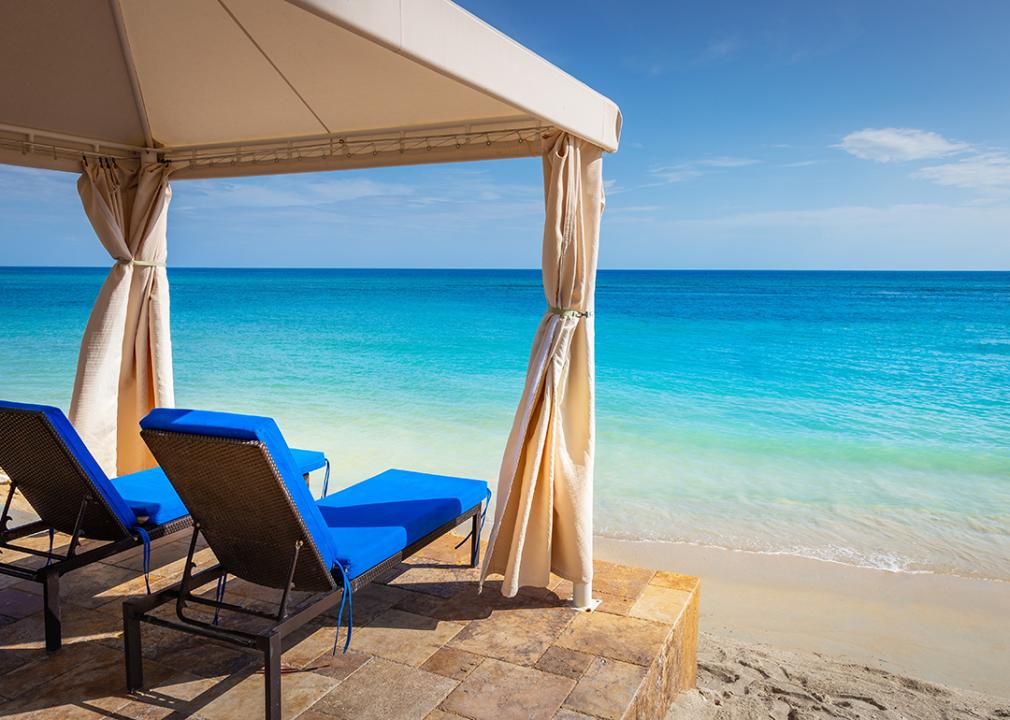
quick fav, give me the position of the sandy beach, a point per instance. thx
(791, 637)
(740, 681)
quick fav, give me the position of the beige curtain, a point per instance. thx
(125, 364)
(544, 508)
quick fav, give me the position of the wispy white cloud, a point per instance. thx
(650, 62)
(800, 163)
(330, 205)
(727, 162)
(33, 182)
(986, 171)
(287, 192)
(676, 173)
(694, 169)
(914, 236)
(612, 187)
(656, 60)
(33, 196)
(911, 216)
(720, 49)
(635, 209)
(899, 145)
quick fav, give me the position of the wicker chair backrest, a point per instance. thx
(236, 495)
(50, 476)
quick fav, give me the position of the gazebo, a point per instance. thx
(133, 94)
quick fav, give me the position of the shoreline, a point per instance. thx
(799, 556)
(945, 629)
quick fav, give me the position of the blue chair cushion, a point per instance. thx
(87, 462)
(151, 497)
(259, 429)
(308, 460)
(374, 519)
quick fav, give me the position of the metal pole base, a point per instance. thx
(582, 597)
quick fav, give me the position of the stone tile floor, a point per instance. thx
(425, 645)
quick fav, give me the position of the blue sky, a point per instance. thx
(756, 135)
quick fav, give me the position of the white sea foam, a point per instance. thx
(837, 556)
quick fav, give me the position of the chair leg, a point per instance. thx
(131, 641)
(272, 677)
(51, 611)
(475, 541)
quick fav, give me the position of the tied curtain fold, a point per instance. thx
(125, 363)
(544, 512)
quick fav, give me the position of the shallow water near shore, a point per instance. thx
(862, 418)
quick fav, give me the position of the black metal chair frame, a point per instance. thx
(58, 565)
(269, 640)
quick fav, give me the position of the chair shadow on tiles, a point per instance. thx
(86, 676)
(188, 675)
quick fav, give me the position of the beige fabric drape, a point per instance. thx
(125, 364)
(544, 508)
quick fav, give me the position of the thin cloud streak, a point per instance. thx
(697, 168)
(281, 193)
(887, 145)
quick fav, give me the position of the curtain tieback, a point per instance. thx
(140, 263)
(568, 312)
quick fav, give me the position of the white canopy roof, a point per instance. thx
(249, 87)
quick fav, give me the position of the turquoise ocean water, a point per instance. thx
(857, 417)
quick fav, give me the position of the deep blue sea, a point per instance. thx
(857, 417)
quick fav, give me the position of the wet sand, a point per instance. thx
(870, 628)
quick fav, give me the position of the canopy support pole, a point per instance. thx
(582, 597)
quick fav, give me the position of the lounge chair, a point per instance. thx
(47, 461)
(237, 477)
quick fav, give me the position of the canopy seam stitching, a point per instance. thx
(131, 69)
(273, 65)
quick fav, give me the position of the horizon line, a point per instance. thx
(515, 269)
